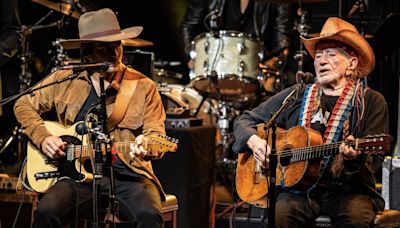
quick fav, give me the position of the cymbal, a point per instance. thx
(62, 7)
(293, 1)
(137, 42)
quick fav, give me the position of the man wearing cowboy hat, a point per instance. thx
(340, 106)
(134, 111)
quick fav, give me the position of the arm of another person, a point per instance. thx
(192, 24)
(10, 33)
(282, 26)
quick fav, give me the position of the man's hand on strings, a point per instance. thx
(261, 150)
(53, 147)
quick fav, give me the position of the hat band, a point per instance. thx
(100, 34)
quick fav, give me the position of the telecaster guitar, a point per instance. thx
(43, 172)
(299, 154)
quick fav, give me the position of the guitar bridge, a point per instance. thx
(46, 175)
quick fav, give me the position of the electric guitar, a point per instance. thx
(43, 172)
(299, 154)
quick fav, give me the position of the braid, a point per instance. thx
(337, 164)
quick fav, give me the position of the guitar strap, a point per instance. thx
(334, 127)
(125, 93)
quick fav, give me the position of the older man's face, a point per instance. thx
(331, 65)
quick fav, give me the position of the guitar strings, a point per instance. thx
(311, 149)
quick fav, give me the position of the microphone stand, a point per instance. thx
(30, 90)
(273, 158)
(98, 140)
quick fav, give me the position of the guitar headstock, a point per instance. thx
(374, 144)
(161, 143)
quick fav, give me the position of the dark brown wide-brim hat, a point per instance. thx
(342, 31)
(100, 26)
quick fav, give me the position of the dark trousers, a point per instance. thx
(139, 202)
(354, 210)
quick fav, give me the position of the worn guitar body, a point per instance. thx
(252, 186)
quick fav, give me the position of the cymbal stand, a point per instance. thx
(302, 27)
(25, 77)
(362, 11)
(58, 55)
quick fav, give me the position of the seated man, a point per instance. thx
(137, 189)
(339, 106)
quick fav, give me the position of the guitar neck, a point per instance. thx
(79, 151)
(311, 152)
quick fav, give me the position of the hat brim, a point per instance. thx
(366, 57)
(124, 34)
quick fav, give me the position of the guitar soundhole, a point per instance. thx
(285, 156)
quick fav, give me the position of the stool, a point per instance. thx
(169, 213)
(169, 209)
(385, 219)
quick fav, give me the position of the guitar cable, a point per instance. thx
(78, 187)
(20, 179)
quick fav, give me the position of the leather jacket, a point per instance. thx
(272, 20)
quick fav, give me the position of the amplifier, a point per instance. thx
(391, 182)
(8, 183)
(183, 123)
(17, 209)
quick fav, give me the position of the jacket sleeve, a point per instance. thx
(10, 30)
(277, 33)
(29, 107)
(245, 125)
(192, 23)
(375, 121)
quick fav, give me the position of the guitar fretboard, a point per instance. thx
(318, 151)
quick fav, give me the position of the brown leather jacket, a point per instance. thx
(145, 114)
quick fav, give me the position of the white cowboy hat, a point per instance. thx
(100, 26)
(339, 30)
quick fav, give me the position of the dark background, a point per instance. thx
(161, 21)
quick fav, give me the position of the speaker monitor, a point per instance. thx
(17, 207)
(391, 182)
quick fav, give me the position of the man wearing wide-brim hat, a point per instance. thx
(134, 111)
(339, 182)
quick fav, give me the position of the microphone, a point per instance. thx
(105, 66)
(81, 128)
(304, 77)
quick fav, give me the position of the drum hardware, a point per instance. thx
(361, 6)
(25, 80)
(302, 27)
(70, 8)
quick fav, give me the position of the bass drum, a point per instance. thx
(176, 96)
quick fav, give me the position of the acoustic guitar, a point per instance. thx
(299, 153)
(43, 172)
